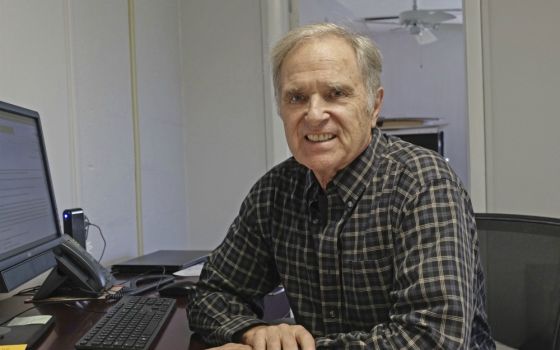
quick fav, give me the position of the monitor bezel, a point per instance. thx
(26, 253)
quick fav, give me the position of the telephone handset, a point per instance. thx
(76, 273)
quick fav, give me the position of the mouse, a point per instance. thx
(177, 289)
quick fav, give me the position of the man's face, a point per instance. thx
(323, 104)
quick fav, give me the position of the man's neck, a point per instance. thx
(324, 180)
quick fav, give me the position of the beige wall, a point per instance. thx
(224, 110)
(71, 61)
(521, 52)
(203, 109)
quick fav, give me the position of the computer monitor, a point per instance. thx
(29, 226)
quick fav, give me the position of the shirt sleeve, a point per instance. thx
(238, 274)
(435, 263)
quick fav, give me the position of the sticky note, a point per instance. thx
(13, 347)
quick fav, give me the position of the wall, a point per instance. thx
(99, 88)
(157, 130)
(33, 67)
(521, 80)
(224, 105)
(71, 61)
(162, 124)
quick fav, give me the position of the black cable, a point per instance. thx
(88, 224)
(74, 307)
(160, 280)
(103, 238)
(130, 289)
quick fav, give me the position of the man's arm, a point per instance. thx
(228, 297)
(433, 290)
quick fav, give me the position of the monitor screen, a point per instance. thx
(29, 226)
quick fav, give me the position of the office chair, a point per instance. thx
(521, 259)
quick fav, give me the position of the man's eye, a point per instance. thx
(337, 93)
(296, 98)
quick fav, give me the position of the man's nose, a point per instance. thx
(316, 111)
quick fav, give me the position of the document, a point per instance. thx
(191, 271)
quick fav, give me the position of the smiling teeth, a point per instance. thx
(320, 137)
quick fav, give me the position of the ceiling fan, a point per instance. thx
(419, 22)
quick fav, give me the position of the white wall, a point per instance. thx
(198, 100)
(71, 61)
(225, 115)
(33, 67)
(99, 82)
(162, 124)
(521, 84)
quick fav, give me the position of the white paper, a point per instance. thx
(191, 271)
(22, 321)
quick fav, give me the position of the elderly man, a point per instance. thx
(372, 238)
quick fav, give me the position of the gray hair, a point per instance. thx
(367, 54)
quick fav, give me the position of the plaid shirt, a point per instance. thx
(385, 258)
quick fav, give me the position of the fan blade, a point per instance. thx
(425, 17)
(381, 18)
(439, 16)
(446, 10)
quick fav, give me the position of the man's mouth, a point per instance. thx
(319, 137)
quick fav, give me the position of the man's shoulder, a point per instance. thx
(288, 169)
(419, 163)
(287, 174)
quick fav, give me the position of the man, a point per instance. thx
(372, 238)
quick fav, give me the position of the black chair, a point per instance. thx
(521, 259)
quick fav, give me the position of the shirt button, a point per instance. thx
(315, 221)
(349, 204)
(332, 314)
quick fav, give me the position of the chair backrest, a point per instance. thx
(521, 259)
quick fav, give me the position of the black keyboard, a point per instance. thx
(132, 323)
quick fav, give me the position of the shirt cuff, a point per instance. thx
(233, 330)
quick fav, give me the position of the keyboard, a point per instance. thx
(132, 323)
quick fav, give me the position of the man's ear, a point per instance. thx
(377, 105)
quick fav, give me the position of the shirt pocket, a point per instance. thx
(367, 285)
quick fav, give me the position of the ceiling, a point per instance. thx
(353, 11)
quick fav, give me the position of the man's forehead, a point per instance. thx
(331, 61)
(332, 53)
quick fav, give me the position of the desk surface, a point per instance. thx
(74, 319)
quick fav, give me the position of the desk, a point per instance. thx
(74, 319)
